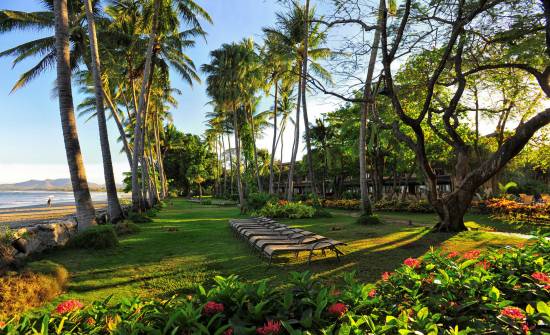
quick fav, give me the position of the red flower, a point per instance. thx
(484, 264)
(372, 293)
(228, 331)
(338, 309)
(542, 277)
(386, 276)
(2, 324)
(212, 308)
(270, 327)
(90, 321)
(412, 262)
(513, 313)
(525, 328)
(472, 254)
(547, 287)
(68, 306)
(452, 254)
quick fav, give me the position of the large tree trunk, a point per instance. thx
(113, 205)
(140, 113)
(238, 163)
(290, 190)
(304, 103)
(366, 207)
(274, 145)
(85, 211)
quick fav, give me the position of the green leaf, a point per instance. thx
(494, 293)
(543, 308)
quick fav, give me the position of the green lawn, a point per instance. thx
(188, 243)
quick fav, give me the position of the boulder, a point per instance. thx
(37, 238)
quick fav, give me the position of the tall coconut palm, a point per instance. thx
(190, 12)
(113, 205)
(84, 207)
(290, 35)
(230, 71)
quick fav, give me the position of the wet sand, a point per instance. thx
(26, 216)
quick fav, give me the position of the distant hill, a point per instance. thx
(46, 185)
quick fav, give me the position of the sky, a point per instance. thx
(30, 129)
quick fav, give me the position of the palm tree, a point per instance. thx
(189, 11)
(276, 67)
(290, 35)
(84, 207)
(229, 73)
(113, 205)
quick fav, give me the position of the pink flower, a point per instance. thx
(228, 331)
(372, 293)
(212, 308)
(473, 254)
(386, 276)
(270, 327)
(452, 254)
(68, 306)
(412, 262)
(513, 313)
(484, 264)
(542, 277)
(338, 309)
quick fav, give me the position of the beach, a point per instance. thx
(29, 215)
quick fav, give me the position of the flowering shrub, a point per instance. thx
(285, 209)
(512, 211)
(437, 295)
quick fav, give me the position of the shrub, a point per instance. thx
(501, 291)
(138, 218)
(420, 206)
(96, 237)
(285, 209)
(36, 284)
(321, 213)
(369, 219)
(515, 212)
(256, 201)
(342, 204)
(126, 228)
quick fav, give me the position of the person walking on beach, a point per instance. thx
(50, 202)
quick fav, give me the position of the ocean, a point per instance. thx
(9, 199)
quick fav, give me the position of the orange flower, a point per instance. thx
(513, 313)
(386, 276)
(412, 262)
(337, 309)
(471, 254)
(68, 306)
(2, 324)
(372, 293)
(452, 254)
(484, 264)
(542, 277)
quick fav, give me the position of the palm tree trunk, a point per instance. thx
(140, 113)
(85, 211)
(255, 151)
(290, 190)
(120, 127)
(274, 145)
(238, 163)
(304, 104)
(230, 165)
(113, 205)
(224, 169)
(366, 207)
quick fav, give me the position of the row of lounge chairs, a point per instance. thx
(269, 238)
